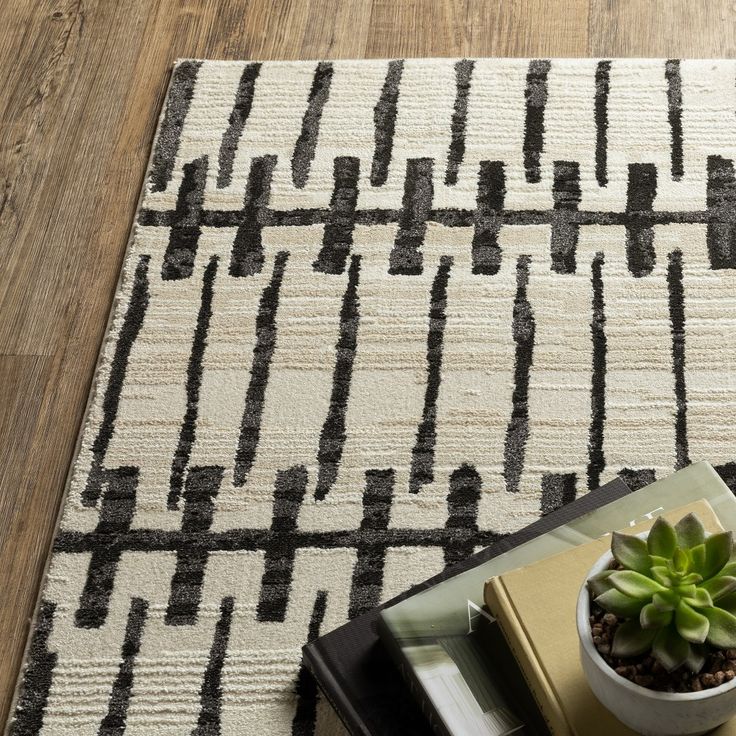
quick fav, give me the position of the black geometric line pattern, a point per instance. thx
(348, 346)
(639, 217)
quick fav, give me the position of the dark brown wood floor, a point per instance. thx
(81, 85)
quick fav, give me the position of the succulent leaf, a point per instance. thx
(666, 600)
(680, 561)
(722, 630)
(697, 558)
(630, 552)
(651, 617)
(662, 539)
(717, 552)
(662, 575)
(599, 583)
(670, 649)
(630, 639)
(690, 531)
(635, 585)
(685, 591)
(696, 659)
(700, 599)
(619, 604)
(690, 624)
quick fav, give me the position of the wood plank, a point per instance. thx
(663, 28)
(478, 28)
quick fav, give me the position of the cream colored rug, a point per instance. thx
(374, 315)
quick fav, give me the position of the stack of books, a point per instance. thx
(472, 651)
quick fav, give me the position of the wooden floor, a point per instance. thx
(81, 85)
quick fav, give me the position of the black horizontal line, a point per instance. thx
(156, 540)
(449, 217)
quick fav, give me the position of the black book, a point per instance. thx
(356, 674)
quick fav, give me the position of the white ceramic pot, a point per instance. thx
(648, 712)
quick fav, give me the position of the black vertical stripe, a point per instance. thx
(523, 329)
(677, 327)
(250, 426)
(301, 160)
(202, 487)
(602, 89)
(721, 203)
(384, 118)
(247, 255)
(367, 584)
(238, 118)
(113, 724)
(185, 230)
(305, 715)
(332, 437)
(183, 80)
(406, 255)
(210, 694)
(485, 250)
(558, 489)
(536, 100)
(116, 515)
(188, 430)
(289, 490)
(674, 105)
(132, 323)
(40, 664)
(462, 513)
(463, 74)
(596, 457)
(564, 230)
(422, 456)
(642, 189)
(338, 235)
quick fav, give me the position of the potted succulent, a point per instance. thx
(657, 626)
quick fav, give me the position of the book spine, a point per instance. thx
(501, 609)
(331, 690)
(410, 678)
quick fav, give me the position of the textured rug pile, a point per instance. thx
(373, 316)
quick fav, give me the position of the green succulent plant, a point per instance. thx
(676, 591)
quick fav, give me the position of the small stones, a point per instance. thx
(609, 619)
(643, 680)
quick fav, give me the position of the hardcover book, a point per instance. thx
(544, 638)
(356, 674)
(423, 632)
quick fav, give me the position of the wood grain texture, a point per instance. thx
(81, 85)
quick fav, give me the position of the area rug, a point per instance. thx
(373, 316)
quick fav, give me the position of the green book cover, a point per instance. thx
(449, 647)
